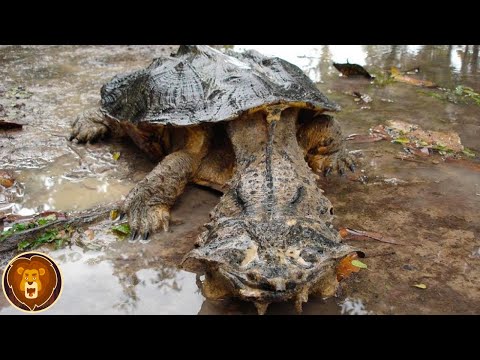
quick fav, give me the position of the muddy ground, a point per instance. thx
(431, 204)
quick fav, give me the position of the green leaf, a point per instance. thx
(22, 245)
(401, 140)
(47, 219)
(19, 227)
(420, 286)
(468, 152)
(116, 155)
(122, 229)
(359, 264)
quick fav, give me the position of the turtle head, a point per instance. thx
(264, 262)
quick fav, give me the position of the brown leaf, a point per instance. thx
(90, 234)
(345, 267)
(6, 179)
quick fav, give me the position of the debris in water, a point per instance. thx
(394, 181)
(412, 71)
(352, 70)
(359, 138)
(415, 138)
(397, 76)
(460, 95)
(364, 97)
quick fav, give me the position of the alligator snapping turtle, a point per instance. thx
(254, 128)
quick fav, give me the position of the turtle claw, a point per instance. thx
(337, 163)
(134, 235)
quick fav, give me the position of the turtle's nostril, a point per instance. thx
(278, 284)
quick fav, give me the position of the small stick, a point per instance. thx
(72, 220)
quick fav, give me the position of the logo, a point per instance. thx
(32, 282)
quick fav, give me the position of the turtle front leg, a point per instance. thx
(148, 204)
(324, 146)
(92, 125)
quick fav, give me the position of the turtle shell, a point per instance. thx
(201, 84)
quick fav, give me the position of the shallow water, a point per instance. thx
(433, 205)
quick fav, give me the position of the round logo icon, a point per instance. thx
(32, 282)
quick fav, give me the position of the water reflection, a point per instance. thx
(442, 64)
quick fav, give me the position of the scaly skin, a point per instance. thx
(269, 238)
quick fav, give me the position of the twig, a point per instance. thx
(73, 220)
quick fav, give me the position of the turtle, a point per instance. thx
(255, 128)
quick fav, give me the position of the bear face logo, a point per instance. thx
(32, 282)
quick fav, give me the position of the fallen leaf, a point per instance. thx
(6, 179)
(116, 155)
(113, 214)
(397, 76)
(420, 286)
(401, 140)
(352, 70)
(122, 229)
(90, 234)
(7, 125)
(359, 264)
(345, 267)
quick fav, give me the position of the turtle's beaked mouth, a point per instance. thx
(280, 260)
(226, 282)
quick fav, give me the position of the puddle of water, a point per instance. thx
(432, 206)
